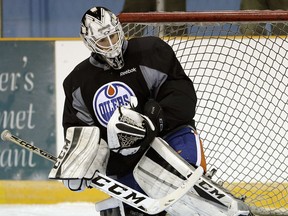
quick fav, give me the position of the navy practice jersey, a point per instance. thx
(94, 90)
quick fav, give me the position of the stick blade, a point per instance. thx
(5, 134)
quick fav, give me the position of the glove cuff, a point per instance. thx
(154, 112)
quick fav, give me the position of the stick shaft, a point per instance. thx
(7, 136)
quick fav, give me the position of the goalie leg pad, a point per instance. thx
(110, 207)
(161, 170)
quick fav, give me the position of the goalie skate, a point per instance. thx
(161, 170)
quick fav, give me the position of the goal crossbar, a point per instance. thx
(205, 16)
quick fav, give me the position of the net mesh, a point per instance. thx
(239, 71)
(125, 139)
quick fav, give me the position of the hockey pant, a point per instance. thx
(187, 143)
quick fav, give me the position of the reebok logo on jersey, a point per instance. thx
(108, 98)
(123, 73)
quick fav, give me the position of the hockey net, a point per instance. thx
(238, 62)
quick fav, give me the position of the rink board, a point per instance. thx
(44, 192)
(273, 195)
(50, 192)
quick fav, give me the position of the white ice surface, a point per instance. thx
(61, 209)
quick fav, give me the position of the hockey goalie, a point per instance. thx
(160, 172)
(118, 103)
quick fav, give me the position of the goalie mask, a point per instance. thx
(102, 33)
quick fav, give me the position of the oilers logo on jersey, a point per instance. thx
(108, 97)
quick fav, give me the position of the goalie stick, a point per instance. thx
(118, 190)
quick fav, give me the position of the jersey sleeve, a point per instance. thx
(176, 94)
(178, 102)
(75, 112)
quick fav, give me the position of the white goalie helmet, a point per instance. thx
(102, 33)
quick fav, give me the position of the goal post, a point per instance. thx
(238, 63)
